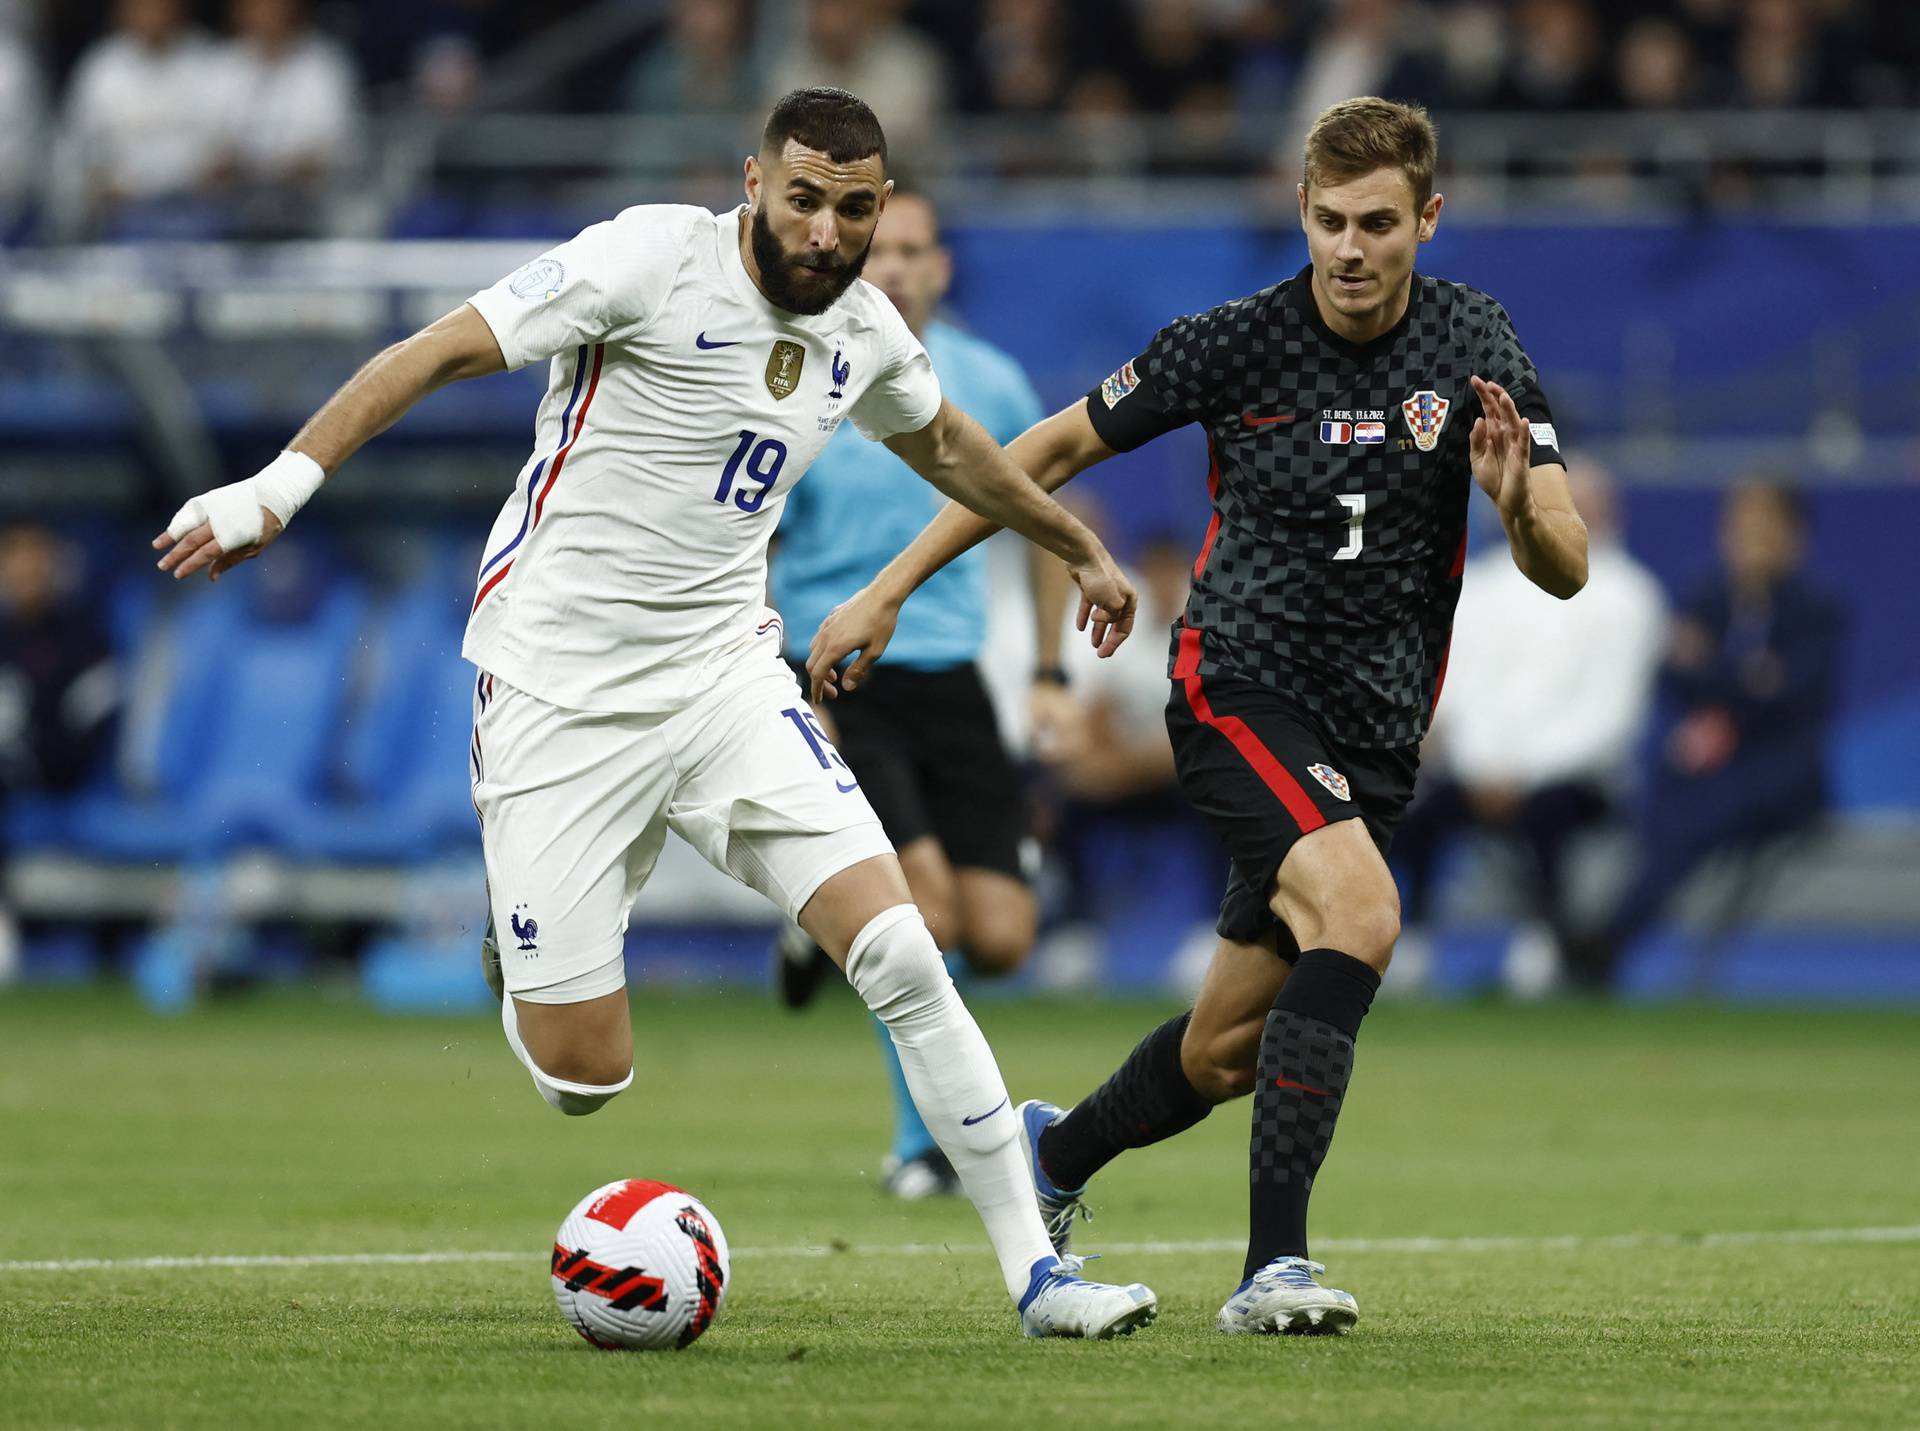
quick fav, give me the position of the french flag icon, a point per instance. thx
(1338, 434)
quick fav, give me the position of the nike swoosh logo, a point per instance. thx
(969, 1122)
(1251, 421)
(701, 342)
(848, 788)
(1303, 1087)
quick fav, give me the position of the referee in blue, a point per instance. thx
(920, 734)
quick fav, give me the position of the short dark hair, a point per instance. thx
(1356, 136)
(832, 121)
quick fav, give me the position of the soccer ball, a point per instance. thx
(640, 1264)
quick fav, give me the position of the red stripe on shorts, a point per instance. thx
(1186, 669)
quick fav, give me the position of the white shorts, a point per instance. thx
(575, 806)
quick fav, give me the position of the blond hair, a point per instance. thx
(1357, 136)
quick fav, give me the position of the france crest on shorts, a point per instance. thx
(1426, 414)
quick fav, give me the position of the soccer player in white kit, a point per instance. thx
(630, 675)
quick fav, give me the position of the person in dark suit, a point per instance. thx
(1748, 681)
(58, 689)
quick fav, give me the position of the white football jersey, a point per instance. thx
(630, 563)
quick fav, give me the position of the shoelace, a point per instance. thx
(1071, 1263)
(1296, 1273)
(1061, 1218)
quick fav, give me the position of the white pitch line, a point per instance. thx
(1572, 1242)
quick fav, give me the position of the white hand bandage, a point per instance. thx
(233, 511)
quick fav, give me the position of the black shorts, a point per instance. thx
(1263, 772)
(926, 748)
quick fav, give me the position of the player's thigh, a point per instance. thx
(1269, 781)
(1334, 891)
(762, 794)
(932, 882)
(998, 920)
(847, 901)
(573, 808)
(1221, 1048)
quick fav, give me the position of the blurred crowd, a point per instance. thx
(258, 104)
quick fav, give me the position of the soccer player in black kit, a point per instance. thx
(1309, 657)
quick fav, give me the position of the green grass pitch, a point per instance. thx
(1551, 1217)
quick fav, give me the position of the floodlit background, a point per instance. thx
(1704, 218)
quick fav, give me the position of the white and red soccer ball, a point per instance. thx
(640, 1264)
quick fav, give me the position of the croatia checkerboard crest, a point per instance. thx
(1333, 780)
(1426, 414)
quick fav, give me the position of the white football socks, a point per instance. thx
(896, 967)
(573, 1099)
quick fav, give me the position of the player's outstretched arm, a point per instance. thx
(221, 528)
(991, 488)
(1544, 531)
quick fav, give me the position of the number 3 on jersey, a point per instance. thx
(763, 464)
(1356, 505)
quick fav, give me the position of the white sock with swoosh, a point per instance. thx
(896, 967)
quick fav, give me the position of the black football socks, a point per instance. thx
(1147, 1098)
(1306, 1058)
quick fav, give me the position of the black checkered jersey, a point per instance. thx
(1339, 478)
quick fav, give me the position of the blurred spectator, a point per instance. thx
(1750, 674)
(287, 112)
(1361, 47)
(1180, 63)
(1024, 56)
(1108, 765)
(1654, 65)
(863, 46)
(1558, 61)
(58, 690)
(1544, 703)
(142, 115)
(23, 102)
(1114, 749)
(700, 63)
(1782, 59)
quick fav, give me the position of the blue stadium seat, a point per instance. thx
(401, 767)
(252, 710)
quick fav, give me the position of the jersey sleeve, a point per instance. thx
(1505, 362)
(905, 397)
(610, 278)
(1167, 386)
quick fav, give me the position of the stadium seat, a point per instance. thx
(401, 766)
(254, 681)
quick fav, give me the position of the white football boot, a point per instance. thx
(1059, 1303)
(1057, 1208)
(1283, 1297)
